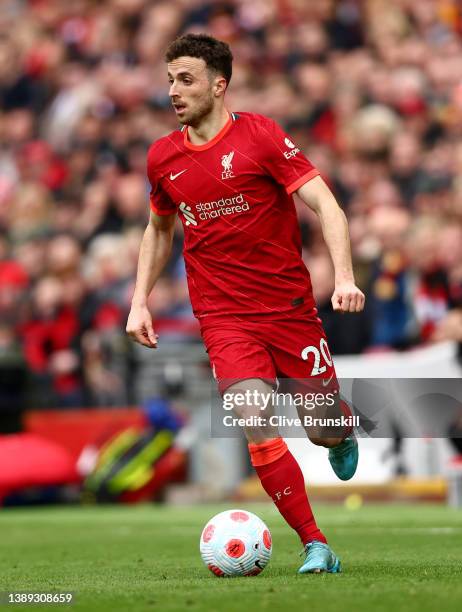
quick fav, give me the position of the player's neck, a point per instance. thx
(209, 127)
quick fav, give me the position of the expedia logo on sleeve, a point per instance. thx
(293, 149)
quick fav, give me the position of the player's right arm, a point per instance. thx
(154, 253)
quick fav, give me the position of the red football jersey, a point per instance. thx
(242, 244)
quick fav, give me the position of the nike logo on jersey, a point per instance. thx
(175, 176)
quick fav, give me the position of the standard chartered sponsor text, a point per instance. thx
(224, 206)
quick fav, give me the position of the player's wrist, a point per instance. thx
(344, 278)
(139, 302)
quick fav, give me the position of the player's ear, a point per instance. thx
(220, 86)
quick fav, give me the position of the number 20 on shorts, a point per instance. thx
(322, 351)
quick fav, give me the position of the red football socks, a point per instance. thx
(282, 478)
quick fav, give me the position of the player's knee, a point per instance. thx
(326, 442)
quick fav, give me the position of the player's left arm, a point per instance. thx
(316, 194)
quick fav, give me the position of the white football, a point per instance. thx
(235, 543)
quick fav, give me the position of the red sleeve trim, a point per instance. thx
(302, 180)
(162, 213)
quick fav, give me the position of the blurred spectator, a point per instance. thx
(389, 303)
(449, 327)
(13, 380)
(13, 375)
(50, 344)
(431, 288)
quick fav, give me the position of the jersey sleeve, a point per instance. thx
(160, 201)
(283, 160)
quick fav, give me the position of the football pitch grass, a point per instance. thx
(406, 557)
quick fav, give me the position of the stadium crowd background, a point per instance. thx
(371, 91)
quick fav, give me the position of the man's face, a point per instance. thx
(192, 89)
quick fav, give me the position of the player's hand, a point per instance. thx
(140, 328)
(347, 298)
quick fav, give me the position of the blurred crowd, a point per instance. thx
(371, 90)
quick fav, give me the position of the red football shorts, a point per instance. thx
(295, 348)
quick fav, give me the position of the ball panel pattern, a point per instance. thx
(239, 516)
(208, 532)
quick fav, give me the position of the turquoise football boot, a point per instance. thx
(320, 558)
(344, 458)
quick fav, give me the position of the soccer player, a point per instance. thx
(230, 177)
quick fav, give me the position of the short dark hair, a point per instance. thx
(215, 53)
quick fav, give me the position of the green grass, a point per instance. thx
(147, 558)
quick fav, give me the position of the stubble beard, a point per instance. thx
(204, 108)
